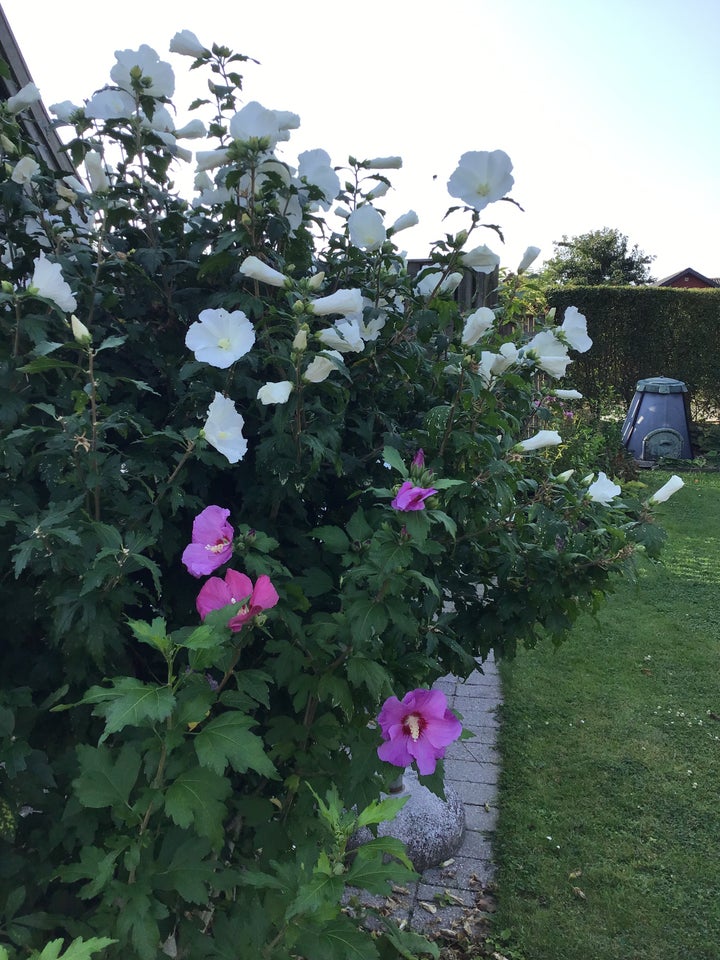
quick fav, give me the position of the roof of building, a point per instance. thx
(35, 119)
(667, 281)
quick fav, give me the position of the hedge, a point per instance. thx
(641, 332)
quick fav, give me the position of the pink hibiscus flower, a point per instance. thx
(237, 588)
(211, 545)
(419, 727)
(410, 497)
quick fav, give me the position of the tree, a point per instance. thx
(600, 257)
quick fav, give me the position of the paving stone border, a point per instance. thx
(444, 895)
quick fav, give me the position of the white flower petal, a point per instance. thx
(223, 429)
(219, 338)
(275, 392)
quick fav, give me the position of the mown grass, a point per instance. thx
(608, 843)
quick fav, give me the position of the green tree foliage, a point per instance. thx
(600, 257)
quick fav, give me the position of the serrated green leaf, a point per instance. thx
(137, 921)
(386, 846)
(154, 634)
(336, 939)
(364, 672)
(81, 949)
(380, 810)
(189, 873)
(95, 865)
(203, 637)
(373, 875)
(312, 896)
(197, 797)
(227, 740)
(367, 617)
(130, 702)
(410, 944)
(105, 781)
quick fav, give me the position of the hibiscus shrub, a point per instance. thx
(257, 482)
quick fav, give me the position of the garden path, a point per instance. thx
(454, 895)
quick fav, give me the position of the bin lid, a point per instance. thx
(660, 385)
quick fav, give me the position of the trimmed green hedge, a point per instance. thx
(641, 332)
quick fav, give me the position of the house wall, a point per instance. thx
(688, 280)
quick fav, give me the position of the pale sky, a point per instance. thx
(607, 108)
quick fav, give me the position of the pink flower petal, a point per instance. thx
(214, 595)
(442, 732)
(211, 525)
(425, 755)
(200, 561)
(264, 595)
(395, 752)
(240, 586)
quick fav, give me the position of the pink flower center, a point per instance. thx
(217, 547)
(413, 725)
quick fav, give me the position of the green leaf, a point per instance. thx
(336, 939)
(369, 872)
(203, 637)
(367, 617)
(197, 797)
(226, 739)
(387, 846)
(138, 921)
(41, 364)
(435, 782)
(154, 634)
(334, 538)
(95, 865)
(410, 944)
(364, 672)
(445, 520)
(79, 949)
(42, 349)
(392, 456)
(379, 810)
(130, 703)
(323, 889)
(188, 872)
(102, 782)
(444, 484)
(357, 526)
(110, 342)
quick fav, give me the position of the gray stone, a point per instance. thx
(431, 829)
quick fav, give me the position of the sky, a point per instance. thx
(608, 109)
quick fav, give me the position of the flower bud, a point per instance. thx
(298, 307)
(314, 283)
(564, 476)
(300, 341)
(80, 331)
(6, 286)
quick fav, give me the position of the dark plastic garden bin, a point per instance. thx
(656, 424)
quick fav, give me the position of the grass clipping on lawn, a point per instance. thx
(608, 839)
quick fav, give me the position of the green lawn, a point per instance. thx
(609, 836)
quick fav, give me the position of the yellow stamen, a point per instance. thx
(412, 725)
